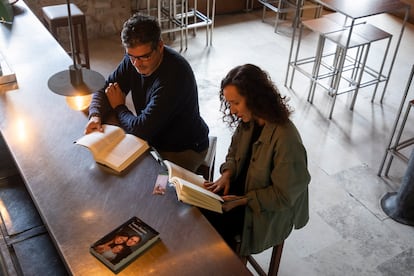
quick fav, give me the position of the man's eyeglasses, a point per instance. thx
(144, 57)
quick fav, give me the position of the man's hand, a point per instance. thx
(93, 125)
(115, 95)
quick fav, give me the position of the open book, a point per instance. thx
(190, 189)
(125, 243)
(113, 147)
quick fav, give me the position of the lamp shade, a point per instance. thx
(76, 81)
(77, 84)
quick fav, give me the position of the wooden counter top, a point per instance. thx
(78, 201)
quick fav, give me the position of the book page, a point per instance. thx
(197, 196)
(99, 142)
(208, 204)
(126, 151)
(182, 173)
(188, 188)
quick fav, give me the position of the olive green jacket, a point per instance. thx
(276, 184)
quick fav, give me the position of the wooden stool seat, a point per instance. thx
(56, 16)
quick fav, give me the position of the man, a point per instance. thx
(164, 94)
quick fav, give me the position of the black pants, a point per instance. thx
(229, 224)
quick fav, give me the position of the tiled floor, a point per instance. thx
(348, 233)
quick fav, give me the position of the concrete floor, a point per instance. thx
(348, 232)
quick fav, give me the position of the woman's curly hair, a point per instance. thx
(262, 96)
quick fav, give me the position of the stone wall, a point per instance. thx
(103, 17)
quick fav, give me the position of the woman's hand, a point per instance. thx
(223, 183)
(232, 201)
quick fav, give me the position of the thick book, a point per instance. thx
(113, 147)
(7, 74)
(190, 188)
(124, 244)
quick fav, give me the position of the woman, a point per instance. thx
(264, 179)
(119, 238)
(126, 251)
(111, 254)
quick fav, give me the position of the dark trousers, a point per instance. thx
(229, 224)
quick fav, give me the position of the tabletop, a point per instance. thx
(78, 201)
(363, 8)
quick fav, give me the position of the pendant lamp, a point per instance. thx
(77, 83)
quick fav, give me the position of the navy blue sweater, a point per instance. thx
(166, 103)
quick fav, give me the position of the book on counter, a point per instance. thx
(7, 74)
(113, 147)
(124, 244)
(190, 188)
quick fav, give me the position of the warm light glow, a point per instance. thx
(79, 102)
(21, 130)
(87, 215)
(5, 214)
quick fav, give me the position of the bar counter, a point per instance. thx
(78, 201)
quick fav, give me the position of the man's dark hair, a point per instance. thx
(140, 29)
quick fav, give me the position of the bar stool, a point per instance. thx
(274, 259)
(203, 20)
(372, 34)
(172, 15)
(56, 16)
(283, 7)
(307, 65)
(395, 150)
(177, 16)
(206, 169)
(334, 63)
(274, 262)
(395, 146)
(362, 37)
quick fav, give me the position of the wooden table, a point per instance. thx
(78, 201)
